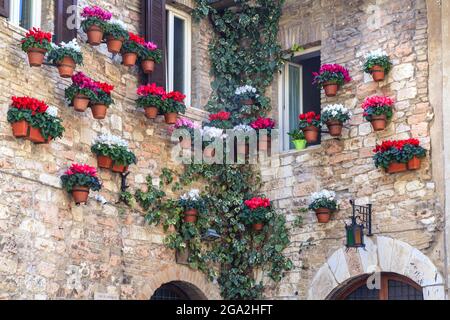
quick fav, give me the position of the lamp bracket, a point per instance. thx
(364, 215)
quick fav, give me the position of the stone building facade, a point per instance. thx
(52, 249)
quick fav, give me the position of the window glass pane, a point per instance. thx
(403, 291)
(25, 14)
(178, 55)
(294, 98)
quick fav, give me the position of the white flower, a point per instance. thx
(245, 89)
(111, 140)
(120, 23)
(193, 195)
(242, 128)
(376, 54)
(73, 45)
(213, 133)
(324, 194)
(52, 111)
(333, 110)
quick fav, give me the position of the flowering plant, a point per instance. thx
(309, 119)
(209, 133)
(220, 120)
(70, 49)
(150, 51)
(297, 135)
(80, 175)
(134, 44)
(116, 29)
(183, 124)
(192, 200)
(336, 112)
(95, 16)
(36, 38)
(377, 106)
(81, 84)
(397, 151)
(263, 124)
(150, 95)
(323, 199)
(246, 92)
(256, 210)
(242, 128)
(117, 149)
(103, 94)
(173, 102)
(377, 58)
(331, 73)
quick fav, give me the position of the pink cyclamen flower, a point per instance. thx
(377, 101)
(96, 12)
(150, 46)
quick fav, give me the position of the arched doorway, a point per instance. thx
(178, 290)
(392, 286)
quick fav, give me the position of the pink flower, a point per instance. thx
(377, 101)
(96, 12)
(81, 169)
(263, 123)
(150, 45)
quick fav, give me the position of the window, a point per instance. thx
(179, 52)
(297, 93)
(25, 13)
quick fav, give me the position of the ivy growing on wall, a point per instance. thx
(244, 51)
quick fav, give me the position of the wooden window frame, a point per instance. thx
(4, 9)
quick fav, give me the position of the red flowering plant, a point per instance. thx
(173, 102)
(82, 84)
(377, 106)
(134, 44)
(150, 95)
(80, 175)
(103, 94)
(256, 210)
(397, 151)
(220, 120)
(263, 124)
(36, 38)
(95, 16)
(331, 73)
(309, 119)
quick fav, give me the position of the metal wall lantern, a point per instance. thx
(361, 219)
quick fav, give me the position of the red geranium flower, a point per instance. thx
(222, 115)
(174, 95)
(38, 35)
(257, 203)
(150, 89)
(35, 105)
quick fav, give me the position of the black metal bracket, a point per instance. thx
(49, 64)
(123, 184)
(364, 215)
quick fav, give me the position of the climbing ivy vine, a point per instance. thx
(244, 51)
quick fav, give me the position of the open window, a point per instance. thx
(297, 93)
(25, 13)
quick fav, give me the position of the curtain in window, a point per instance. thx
(25, 14)
(294, 97)
(178, 75)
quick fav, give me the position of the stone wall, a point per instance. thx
(405, 205)
(50, 248)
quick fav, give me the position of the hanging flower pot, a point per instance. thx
(36, 56)
(414, 163)
(335, 128)
(258, 226)
(378, 122)
(148, 66)
(80, 194)
(104, 162)
(378, 110)
(36, 43)
(190, 216)
(151, 112)
(66, 67)
(20, 129)
(95, 35)
(99, 111)
(246, 95)
(377, 64)
(330, 89)
(299, 144)
(311, 134)
(129, 59)
(323, 215)
(119, 168)
(171, 117)
(35, 136)
(80, 102)
(114, 45)
(334, 116)
(396, 167)
(377, 73)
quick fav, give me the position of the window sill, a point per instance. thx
(298, 152)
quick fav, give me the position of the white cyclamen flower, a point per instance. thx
(336, 109)
(242, 128)
(213, 133)
(245, 89)
(73, 45)
(324, 194)
(376, 54)
(111, 140)
(193, 195)
(120, 23)
(52, 111)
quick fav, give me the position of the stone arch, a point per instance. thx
(382, 254)
(178, 273)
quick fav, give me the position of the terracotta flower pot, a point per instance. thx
(129, 59)
(148, 66)
(119, 168)
(36, 56)
(80, 102)
(151, 112)
(66, 67)
(80, 194)
(395, 167)
(242, 149)
(209, 153)
(20, 129)
(190, 216)
(264, 143)
(171, 117)
(99, 111)
(104, 162)
(414, 163)
(323, 215)
(379, 122)
(247, 102)
(35, 136)
(330, 89)
(377, 73)
(114, 45)
(186, 143)
(257, 226)
(335, 128)
(95, 35)
(311, 134)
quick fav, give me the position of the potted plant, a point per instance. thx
(173, 104)
(331, 77)
(264, 140)
(192, 203)
(391, 156)
(36, 44)
(149, 55)
(131, 48)
(310, 123)
(122, 158)
(78, 180)
(94, 23)
(414, 152)
(334, 117)
(115, 33)
(377, 63)
(188, 128)
(221, 120)
(211, 134)
(323, 203)
(66, 56)
(33, 119)
(378, 110)
(102, 100)
(256, 212)
(82, 91)
(246, 94)
(298, 139)
(242, 131)
(150, 99)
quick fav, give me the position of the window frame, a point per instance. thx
(171, 14)
(36, 13)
